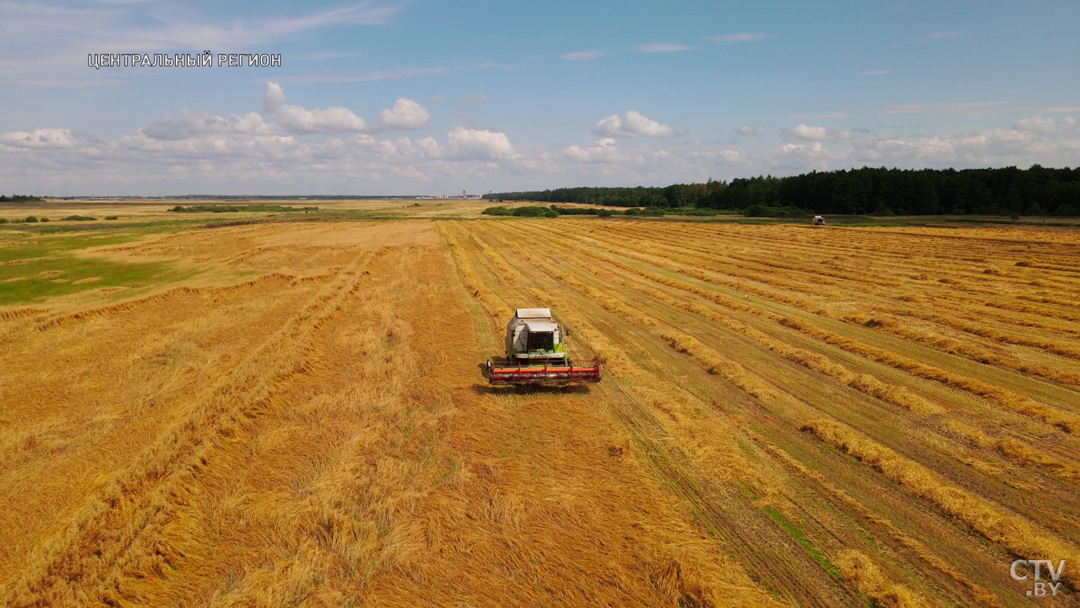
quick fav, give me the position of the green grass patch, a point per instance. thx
(34, 267)
(27, 245)
(57, 275)
(804, 542)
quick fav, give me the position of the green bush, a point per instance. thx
(496, 211)
(112, 217)
(574, 210)
(883, 210)
(535, 212)
(79, 218)
(3, 220)
(30, 220)
(604, 213)
(44, 219)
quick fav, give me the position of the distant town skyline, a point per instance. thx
(430, 98)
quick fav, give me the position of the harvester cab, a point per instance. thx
(819, 221)
(537, 353)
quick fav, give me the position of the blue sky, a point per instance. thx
(427, 97)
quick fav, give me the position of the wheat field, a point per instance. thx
(294, 414)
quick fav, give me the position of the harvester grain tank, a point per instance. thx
(537, 353)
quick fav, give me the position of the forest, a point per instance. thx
(865, 191)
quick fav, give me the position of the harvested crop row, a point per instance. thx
(109, 535)
(931, 339)
(870, 385)
(989, 519)
(865, 255)
(494, 305)
(664, 452)
(1016, 533)
(1006, 398)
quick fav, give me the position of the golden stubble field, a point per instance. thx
(790, 417)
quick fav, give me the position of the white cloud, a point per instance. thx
(603, 150)
(273, 97)
(39, 138)
(748, 131)
(807, 133)
(582, 55)
(429, 147)
(477, 144)
(192, 150)
(190, 124)
(790, 148)
(743, 37)
(662, 47)
(296, 119)
(876, 72)
(406, 114)
(632, 124)
(1044, 125)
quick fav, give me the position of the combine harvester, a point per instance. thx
(536, 353)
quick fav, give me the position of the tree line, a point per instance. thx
(866, 191)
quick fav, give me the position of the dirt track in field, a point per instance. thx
(791, 416)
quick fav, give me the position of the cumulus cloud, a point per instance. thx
(296, 119)
(406, 114)
(807, 133)
(190, 124)
(603, 150)
(272, 98)
(632, 124)
(582, 55)
(239, 153)
(743, 37)
(39, 138)
(748, 132)
(478, 144)
(662, 47)
(1044, 125)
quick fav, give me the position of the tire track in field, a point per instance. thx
(110, 529)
